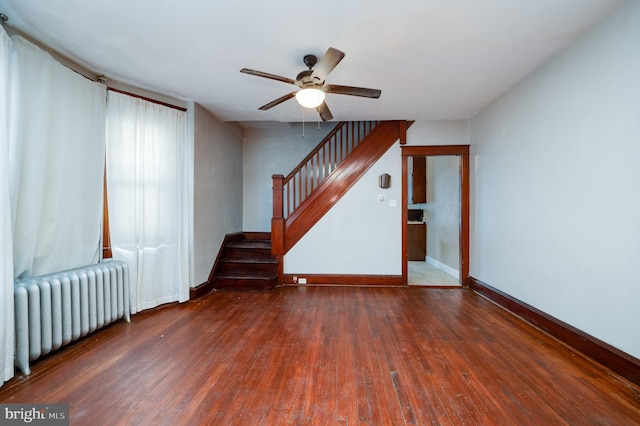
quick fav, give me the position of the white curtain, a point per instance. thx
(57, 145)
(149, 163)
(6, 249)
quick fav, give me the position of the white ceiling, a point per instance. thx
(432, 59)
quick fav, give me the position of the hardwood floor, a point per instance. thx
(328, 355)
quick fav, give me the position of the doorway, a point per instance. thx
(435, 215)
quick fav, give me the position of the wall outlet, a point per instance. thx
(295, 279)
(302, 280)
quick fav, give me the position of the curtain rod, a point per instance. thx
(155, 101)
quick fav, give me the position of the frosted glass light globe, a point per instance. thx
(310, 98)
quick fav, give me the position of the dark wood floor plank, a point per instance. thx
(328, 355)
(393, 361)
(346, 317)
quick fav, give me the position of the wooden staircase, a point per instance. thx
(245, 263)
(253, 260)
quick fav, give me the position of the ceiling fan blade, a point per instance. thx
(324, 112)
(353, 91)
(267, 75)
(328, 62)
(278, 101)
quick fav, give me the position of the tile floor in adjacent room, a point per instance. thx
(423, 273)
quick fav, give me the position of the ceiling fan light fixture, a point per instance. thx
(310, 97)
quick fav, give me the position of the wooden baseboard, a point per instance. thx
(616, 360)
(200, 290)
(361, 280)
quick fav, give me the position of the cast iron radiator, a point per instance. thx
(55, 309)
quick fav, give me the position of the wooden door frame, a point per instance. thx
(461, 151)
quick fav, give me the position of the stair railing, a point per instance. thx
(290, 191)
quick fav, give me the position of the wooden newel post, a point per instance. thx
(277, 224)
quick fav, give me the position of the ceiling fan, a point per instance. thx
(312, 84)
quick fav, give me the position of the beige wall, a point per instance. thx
(274, 149)
(217, 188)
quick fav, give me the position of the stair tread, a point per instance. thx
(244, 276)
(250, 260)
(260, 244)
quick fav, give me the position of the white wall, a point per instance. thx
(453, 132)
(442, 211)
(555, 186)
(273, 150)
(217, 188)
(360, 234)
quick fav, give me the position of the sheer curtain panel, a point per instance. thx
(6, 248)
(149, 161)
(56, 145)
